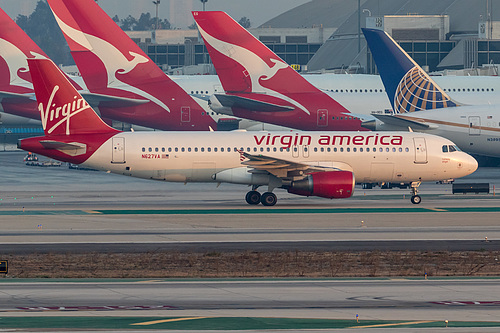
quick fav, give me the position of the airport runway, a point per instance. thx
(50, 209)
(57, 209)
(455, 300)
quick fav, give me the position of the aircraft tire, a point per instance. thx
(416, 199)
(268, 199)
(253, 198)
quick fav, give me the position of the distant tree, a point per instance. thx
(193, 26)
(116, 19)
(165, 24)
(128, 23)
(42, 27)
(245, 22)
(145, 22)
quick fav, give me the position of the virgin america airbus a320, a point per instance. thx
(323, 164)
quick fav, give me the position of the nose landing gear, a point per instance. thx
(415, 199)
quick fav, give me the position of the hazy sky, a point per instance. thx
(258, 11)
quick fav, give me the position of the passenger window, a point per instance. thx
(387, 149)
(407, 149)
(169, 149)
(328, 149)
(215, 149)
(335, 149)
(195, 149)
(394, 149)
(322, 149)
(143, 149)
(381, 150)
(255, 149)
(162, 149)
(209, 149)
(268, 149)
(400, 149)
(222, 149)
(248, 149)
(150, 149)
(341, 150)
(361, 150)
(354, 149)
(202, 149)
(189, 149)
(348, 149)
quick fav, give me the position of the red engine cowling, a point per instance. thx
(330, 184)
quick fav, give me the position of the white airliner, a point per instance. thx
(420, 103)
(322, 164)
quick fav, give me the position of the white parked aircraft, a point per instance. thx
(421, 104)
(322, 164)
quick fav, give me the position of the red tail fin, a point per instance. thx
(63, 110)
(112, 64)
(242, 62)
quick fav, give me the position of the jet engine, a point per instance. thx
(330, 184)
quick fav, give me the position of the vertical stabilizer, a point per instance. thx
(63, 110)
(408, 86)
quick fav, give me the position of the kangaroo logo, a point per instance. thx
(254, 66)
(57, 115)
(17, 64)
(417, 91)
(113, 60)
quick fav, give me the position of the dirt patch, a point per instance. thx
(254, 264)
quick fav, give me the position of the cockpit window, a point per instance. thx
(445, 149)
(452, 149)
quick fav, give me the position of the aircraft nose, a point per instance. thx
(469, 164)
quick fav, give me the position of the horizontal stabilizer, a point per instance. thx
(51, 144)
(14, 98)
(232, 101)
(99, 100)
(403, 122)
(69, 148)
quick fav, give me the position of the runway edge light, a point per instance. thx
(4, 266)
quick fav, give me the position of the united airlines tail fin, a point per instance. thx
(408, 86)
(114, 65)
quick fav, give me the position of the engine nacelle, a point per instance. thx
(330, 184)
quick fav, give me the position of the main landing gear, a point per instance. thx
(415, 199)
(267, 199)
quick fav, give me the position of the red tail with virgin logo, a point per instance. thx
(73, 131)
(112, 64)
(255, 76)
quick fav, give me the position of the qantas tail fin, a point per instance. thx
(15, 48)
(242, 62)
(63, 110)
(113, 64)
(408, 86)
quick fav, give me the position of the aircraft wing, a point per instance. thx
(404, 122)
(288, 170)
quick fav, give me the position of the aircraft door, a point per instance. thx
(185, 114)
(118, 153)
(420, 150)
(322, 118)
(474, 125)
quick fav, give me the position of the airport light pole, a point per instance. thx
(157, 3)
(204, 2)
